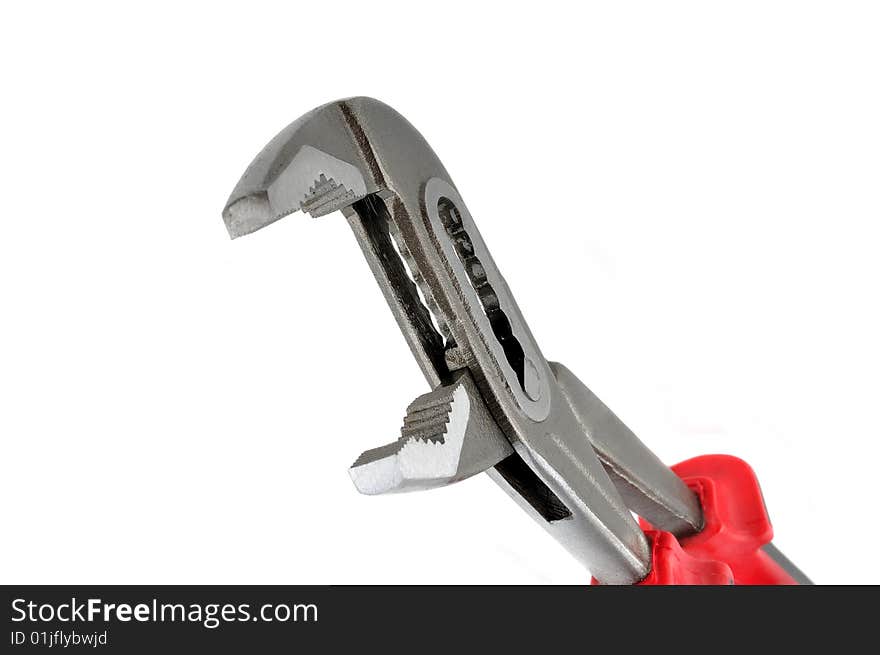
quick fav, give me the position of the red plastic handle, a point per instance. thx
(729, 548)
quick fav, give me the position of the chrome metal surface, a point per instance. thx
(648, 486)
(448, 435)
(496, 404)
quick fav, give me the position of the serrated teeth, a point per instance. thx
(447, 435)
(325, 196)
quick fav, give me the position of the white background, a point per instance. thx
(683, 198)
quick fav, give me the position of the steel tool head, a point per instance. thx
(447, 435)
(496, 404)
(306, 166)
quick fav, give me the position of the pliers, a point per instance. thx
(496, 405)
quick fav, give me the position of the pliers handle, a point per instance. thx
(734, 546)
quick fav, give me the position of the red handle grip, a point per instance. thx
(730, 547)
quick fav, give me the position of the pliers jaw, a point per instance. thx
(496, 404)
